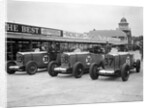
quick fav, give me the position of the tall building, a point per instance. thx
(124, 26)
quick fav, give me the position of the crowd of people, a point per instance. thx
(54, 48)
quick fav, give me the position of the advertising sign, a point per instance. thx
(51, 32)
(19, 28)
(75, 35)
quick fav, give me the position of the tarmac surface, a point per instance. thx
(43, 90)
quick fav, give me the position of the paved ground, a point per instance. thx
(41, 89)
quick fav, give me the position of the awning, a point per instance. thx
(55, 38)
(48, 38)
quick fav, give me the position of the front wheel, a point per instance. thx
(78, 70)
(125, 71)
(93, 71)
(10, 63)
(51, 67)
(31, 68)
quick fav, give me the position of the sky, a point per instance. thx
(74, 17)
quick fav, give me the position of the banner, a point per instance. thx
(75, 35)
(51, 32)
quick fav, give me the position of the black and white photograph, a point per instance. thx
(72, 53)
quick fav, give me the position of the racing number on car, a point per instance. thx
(88, 60)
(108, 61)
(45, 59)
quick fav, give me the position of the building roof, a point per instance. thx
(123, 20)
(107, 33)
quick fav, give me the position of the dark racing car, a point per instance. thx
(115, 64)
(29, 62)
(75, 63)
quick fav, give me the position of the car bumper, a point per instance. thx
(16, 68)
(60, 69)
(106, 72)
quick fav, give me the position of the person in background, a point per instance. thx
(77, 50)
(52, 50)
(37, 50)
(108, 47)
(43, 48)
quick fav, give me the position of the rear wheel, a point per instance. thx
(10, 63)
(125, 71)
(51, 67)
(78, 70)
(138, 66)
(93, 71)
(31, 68)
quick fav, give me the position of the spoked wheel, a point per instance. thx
(31, 68)
(125, 72)
(93, 71)
(51, 67)
(78, 70)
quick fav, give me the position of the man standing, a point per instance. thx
(108, 47)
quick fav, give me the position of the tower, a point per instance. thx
(123, 25)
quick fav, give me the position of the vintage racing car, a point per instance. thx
(115, 64)
(29, 62)
(75, 63)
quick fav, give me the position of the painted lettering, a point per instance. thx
(12, 27)
(36, 30)
(32, 30)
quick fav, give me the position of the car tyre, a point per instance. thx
(125, 71)
(78, 70)
(51, 67)
(93, 71)
(31, 68)
(10, 63)
(138, 66)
